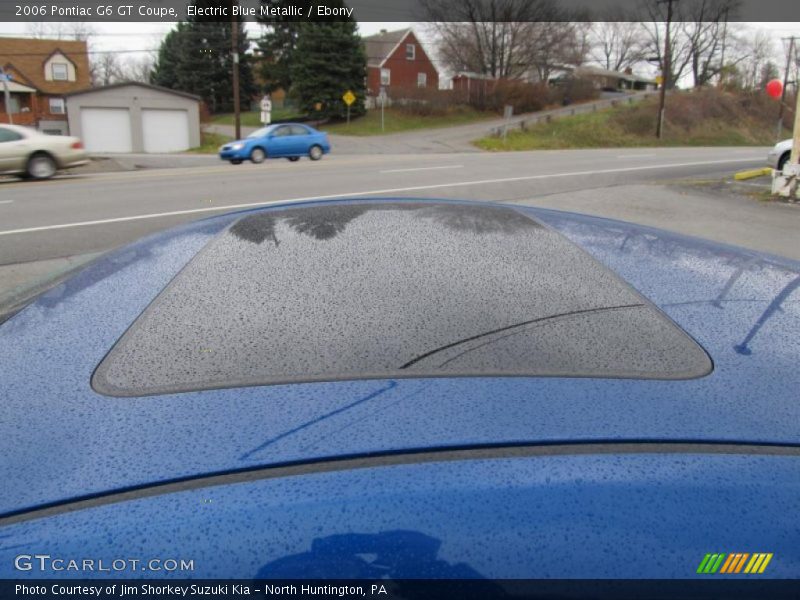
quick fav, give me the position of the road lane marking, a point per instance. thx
(422, 169)
(146, 174)
(369, 193)
(636, 155)
(6, 201)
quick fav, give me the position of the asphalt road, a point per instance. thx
(457, 138)
(77, 214)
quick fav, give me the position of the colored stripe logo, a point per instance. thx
(737, 562)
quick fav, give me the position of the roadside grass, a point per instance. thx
(397, 121)
(210, 143)
(253, 118)
(634, 126)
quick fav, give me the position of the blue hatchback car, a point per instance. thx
(281, 140)
(409, 390)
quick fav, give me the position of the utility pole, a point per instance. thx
(789, 57)
(235, 54)
(667, 67)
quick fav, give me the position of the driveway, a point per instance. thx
(446, 139)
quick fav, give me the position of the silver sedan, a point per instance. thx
(779, 155)
(35, 155)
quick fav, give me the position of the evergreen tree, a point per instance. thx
(278, 44)
(196, 58)
(329, 59)
(165, 72)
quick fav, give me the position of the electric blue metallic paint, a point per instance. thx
(276, 147)
(615, 516)
(61, 440)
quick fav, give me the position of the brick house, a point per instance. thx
(396, 61)
(42, 72)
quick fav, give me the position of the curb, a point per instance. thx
(752, 174)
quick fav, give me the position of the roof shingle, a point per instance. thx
(379, 46)
(26, 57)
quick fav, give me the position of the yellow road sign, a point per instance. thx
(349, 97)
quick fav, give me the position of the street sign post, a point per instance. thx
(5, 77)
(266, 110)
(508, 111)
(349, 97)
(382, 97)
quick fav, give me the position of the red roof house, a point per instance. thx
(41, 73)
(396, 61)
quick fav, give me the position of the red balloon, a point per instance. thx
(775, 88)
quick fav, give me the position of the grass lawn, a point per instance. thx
(253, 119)
(632, 126)
(210, 143)
(396, 121)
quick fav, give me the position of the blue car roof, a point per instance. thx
(61, 439)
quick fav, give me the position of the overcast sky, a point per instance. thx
(146, 36)
(133, 39)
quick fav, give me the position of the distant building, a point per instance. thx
(134, 117)
(473, 87)
(396, 61)
(42, 73)
(607, 80)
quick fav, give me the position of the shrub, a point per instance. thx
(573, 90)
(703, 108)
(424, 101)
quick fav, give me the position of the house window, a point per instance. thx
(422, 79)
(386, 76)
(60, 71)
(410, 51)
(57, 106)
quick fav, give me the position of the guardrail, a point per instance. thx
(546, 116)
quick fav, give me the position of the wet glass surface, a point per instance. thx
(387, 290)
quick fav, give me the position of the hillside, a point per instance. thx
(706, 117)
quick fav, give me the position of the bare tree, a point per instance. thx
(552, 45)
(60, 30)
(106, 68)
(698, 39)
(654, 21)
(706, 31)
(138, 69)
(500, 38)
(617, 43)
(109, 67)
(750, 52)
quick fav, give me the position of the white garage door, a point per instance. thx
(165, 130)
(106, 129)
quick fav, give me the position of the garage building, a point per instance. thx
(134, 117)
